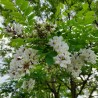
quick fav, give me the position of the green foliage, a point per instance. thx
(75, 20)
(49, 57)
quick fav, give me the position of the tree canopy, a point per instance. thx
(49, 48)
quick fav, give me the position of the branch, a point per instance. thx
(89, 4)
(94, 88)
(83, 84)
(58, 88)
(49, 87)
(52, 86)
(81, 78)
(65, 84)
(96, 22)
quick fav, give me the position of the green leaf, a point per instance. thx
(89, 18)
(16, 14)
(8, 5)
(17, 42)
(18, 17)
(30, 19)
(28, 11)
(38, 73)
(52, 53)
(49, 60)
(24, 5)
(49, 57)
(90, 13)
(85, 6)
(19, 3)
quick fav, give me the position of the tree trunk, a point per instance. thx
(73, 88)
(56, 95)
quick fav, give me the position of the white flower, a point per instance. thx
(23, 60)
(17, 28)
(78, 60)
(63, 64)
(55, 40)
(63, 57)
(76, 64)
(88, 55)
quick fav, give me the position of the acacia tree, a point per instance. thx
(49, 48)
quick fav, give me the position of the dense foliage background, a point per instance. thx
(31, 24)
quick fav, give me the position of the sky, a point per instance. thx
(2, 79)
(5, 77)
(1, 21)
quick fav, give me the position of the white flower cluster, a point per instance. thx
(74, 63)
(17, 28)
(78, 60)
(4, 43)
(88, 55)
(5, 48)
(29, 84)
(63, 57)
(23, 60)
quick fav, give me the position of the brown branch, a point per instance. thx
(89, 4)
(65, 84)
(81, 78)
(96, 22)
(53, 89)
(50, 87)
(83, 84)
(58, 88)
(94, 88)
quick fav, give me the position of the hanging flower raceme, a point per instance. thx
(88, 55)
(78, 60)
(76, 64)
(63, 57)
(5, 49)
(18, 28)
(23, 61)
(4, 43)
(15, 28)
